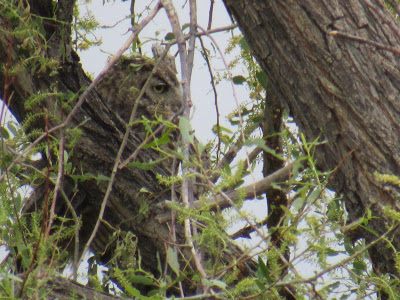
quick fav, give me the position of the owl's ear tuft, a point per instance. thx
(169, 59)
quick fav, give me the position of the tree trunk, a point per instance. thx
(340, 90)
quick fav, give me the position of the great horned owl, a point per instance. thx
(121, 86)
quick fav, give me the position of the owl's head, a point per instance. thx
(121, 86)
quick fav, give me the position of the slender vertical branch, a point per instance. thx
(210, 14)
(186, 59)
(212, 81)
(233, 91)
(60, 177)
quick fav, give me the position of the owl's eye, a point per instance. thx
(159, 88)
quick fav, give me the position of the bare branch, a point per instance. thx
(364, 40)
(257, 188)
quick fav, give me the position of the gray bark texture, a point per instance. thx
(340, 90)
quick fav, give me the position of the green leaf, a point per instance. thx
(142, 280)
(142, 166)
(260, 285)
(131, 291)
(238, 79)
(172, 259)
(164, 139)
(88, 176)
(169, 37)
(263, 271)
(220, 128)
(18, 202)
(12, 128)
(261, 143)
(186, 129)
(4, 133)
(62, 219)
(262, 79)
(297, 204)
(359, 266)
(218, 283)
(159, 267)
(186, 25)
(227, 169)
(370, 230)
(332, 286)
(176, 154)
(200, 148)
(102, 178)
(331, 252)
(314, 195)
(244, 45)
(14, 278)
(348, 246)
(211, 283)
(66, 156)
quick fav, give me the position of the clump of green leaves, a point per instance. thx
(84, 30)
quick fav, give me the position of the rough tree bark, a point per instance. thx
(340, 89)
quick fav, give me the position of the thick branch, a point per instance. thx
(251, 190)
(248, 192)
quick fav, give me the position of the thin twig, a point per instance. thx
(210, 14)
(3, 121)
(72, 211)
(205, 55)
(230, 78)
(233, 150)
(233, 91)
(192, 38)
(60, 177)
(45, 207)
(148, 139)
(364, 40)
(344, 261)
